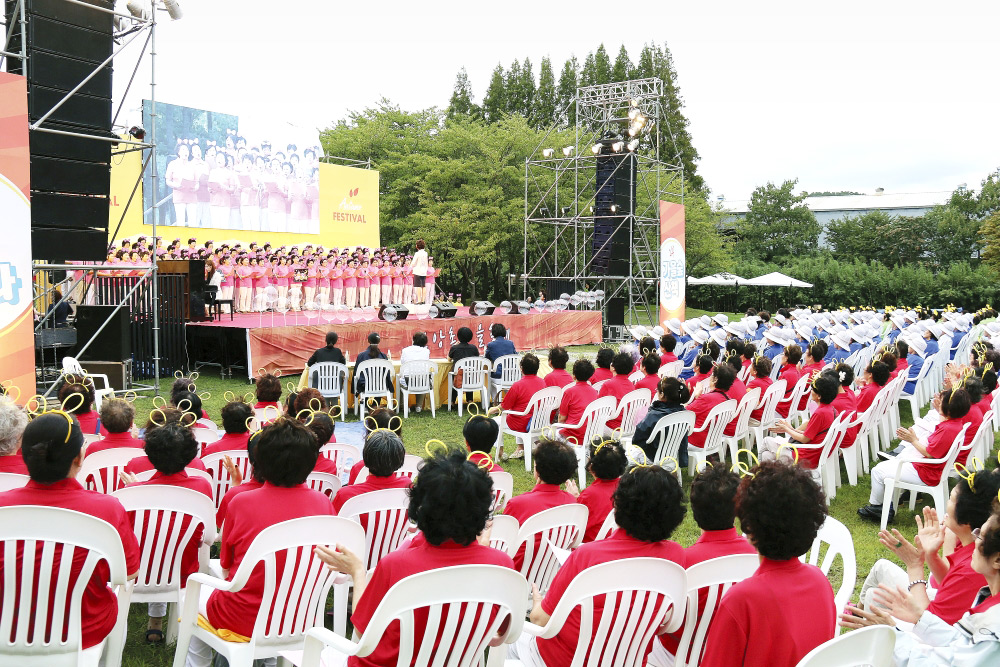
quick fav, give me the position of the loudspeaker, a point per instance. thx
(114, 343)
(441, 310)
(119, 372)
(614, 310)
(614, 203)
(55, 243)
(393, 312)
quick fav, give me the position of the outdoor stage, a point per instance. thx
(285, 342)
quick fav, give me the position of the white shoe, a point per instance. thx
(420, 408)
(519, 454)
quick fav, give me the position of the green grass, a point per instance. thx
(420, 428)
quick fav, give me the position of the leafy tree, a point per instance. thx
(777, 224)
(525, 90)
(566, 92)
(956, 236)
(588, 74)
(906, 240)
(461, 103)
(989, 234)
(495, 101)
(858, 236)
(602, 66)
(622, 70)
(706, 251)
(512, 86)
(546, 99)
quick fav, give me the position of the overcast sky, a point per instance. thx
(844, 96)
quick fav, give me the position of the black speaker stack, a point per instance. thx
(114, 343)
(614, 202)
(70, 175)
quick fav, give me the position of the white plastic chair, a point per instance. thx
(561, 527)
(838, 541)
(155, 508)
(343, 455)
(800, 390)
(510, 372)
(769, 414)
(72, 367)
(221, 482)
(713, 427)
(326, 483)
(147, 475)
(671, 369)
(205, 437)
(867, 646)
(670, 431)
(30, 637)
(503, 489)
(100, 470)
(636, 376)
(458, 603)
(475, 377)
(632, 405)
(12, 480)
(91, 438)
(595, 418)
(411, 464)
(747, 404)
(416, 378)
(301, 583)
(330, 379)
(620, 635)
(266, 414)
(503, 533)
(378, 375)
(540, 407)
(939, 492)
(715, 577)
(827, 468)
(916, 399)
(609, 525)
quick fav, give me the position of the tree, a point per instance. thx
(495, 101)
(512, 86)
(622, 71)
(461, 103)
(602, 66)
(566, 92)
(989, 234)
(706, 251)
(677, 135)
(546, 99)
(525, 90)
(956, 236)
(777, 224)
(588, 73)
(858, 236)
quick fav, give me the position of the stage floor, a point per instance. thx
(309, 318)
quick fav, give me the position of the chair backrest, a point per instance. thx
(867, 646)
(147, 475)
(620, 634)
(463, 608)
(503, 489)
(411, 463)
(801, 388)
(266, 414)
(377, 375)
(383, 515)
(38, 627)
(100, 470)
(747, 405)
(713, 578)
(597, 385)
(296, 583)
(71, 365)
(838, 541)
(205, 436)
(419, 375)
(164, 519)
(344, 456)
(952, 456)
(670, 432)
(770, 400)
(630, 407)
(503, 534)
(12, 480)
(636, 376)
(221, 482)
(715, 424)
(325, 482)
(596, 416)
(744, 374)
(541, 406)
(671, 369)
(328, 377)
(561, 527)
(510, 369)
(608, 526)
(475, 371)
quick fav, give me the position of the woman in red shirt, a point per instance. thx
(876, 376)
(814, 355)
(607, 465)
(813, 432)
(760, 376)
(789, 372)
(77, 398)
(702, 403)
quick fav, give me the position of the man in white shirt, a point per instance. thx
(419, 266)
(416, 352)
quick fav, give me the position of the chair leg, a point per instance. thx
(851, 457)
(406, 402)
(888, 498)
(340, 593)
(431, 396)
(527, 454)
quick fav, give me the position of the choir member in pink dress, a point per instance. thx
(220, 188)
(200, 167)
(397, 281)
(299, 213)
(375, 287)
(431, 274)
(364, 284)
(351, 284)
(262, 282)
(323, 283)
(337, 283)
(244, 285)
(281, 272)
(181, 179)
(385, 276)
(310, 286)
(226, 287)
(296, 286)
(407, 283)
(249, 198)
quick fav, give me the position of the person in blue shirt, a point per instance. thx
(855, 345)
(765, 318)
(956, 340)
(840, 344)
(699, 337)
(499, 346)
(775, 346)
(932, 344)
(916, 362)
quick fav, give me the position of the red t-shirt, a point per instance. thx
(558, 377)
(736, 393)
(846, 403)
(617, 386)
(938, 444)
(711, 544)
(100, 606)
(811, 370)
(371, 483)
(575, 400)
(649, 382)
(867, 396)
(355, 471)
(142, 464)
(790, 374)
(560, 649)
(744, 632)
(13, 463)
(230, 442)
(416, 556)
(326, 465)
(701, 406)
(763, 383)
(88, 423)
(600, 375)
(249, 514)
(189, 560)
(517, 399)
(114, 441)
(542, 497)
(959, 587)
(247, 485)
(695, 379)
(667, 357)
(597, 498)
(815, 431)
(480, 459)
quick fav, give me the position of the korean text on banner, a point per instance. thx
(672, 261)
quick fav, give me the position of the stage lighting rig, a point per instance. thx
(173, 8)
(548, 152)
(567, 151)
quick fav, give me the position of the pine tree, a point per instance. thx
(566, 92)
(602, 66)
(512, 84)
(461, 103)
(495, 101)
(526, 89)
(545, 96)
(588, 74)
(622, 70)
(681, 145)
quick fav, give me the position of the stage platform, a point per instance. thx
(285, 341)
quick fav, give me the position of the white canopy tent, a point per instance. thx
(776, 279)
(718, 279)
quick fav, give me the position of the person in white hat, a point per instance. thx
(840, 347)
(674, 326)
(656, 332)
(914, 360)
(721, 319)
(638, 332)
(775, 343)
(719, 335)
(700, 337)
(706, 321)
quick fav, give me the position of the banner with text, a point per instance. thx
(348, 204)
(672, 261)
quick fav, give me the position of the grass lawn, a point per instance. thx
(420, 428)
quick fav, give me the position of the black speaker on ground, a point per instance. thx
(442, 310)
(393, 312)
(114, 343)
(614, 311)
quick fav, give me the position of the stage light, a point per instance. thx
(614, 208)
(173, 9)
(548, 152)
(596, 149)
(139, 9)
(137, 132)
(632, 113)
(565, 211)
(632, 131)
(618, 146)
(505, 307)
(632, 145)
(634, 102)
(568, 151)
(575, 300)
(483, 308)
(564, 297)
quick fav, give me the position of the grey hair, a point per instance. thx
(12, 423)
(384, 452)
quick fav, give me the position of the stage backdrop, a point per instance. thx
(288, 348)
(672, 261)
(17, 353)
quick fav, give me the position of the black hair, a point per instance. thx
(498, 330)
(583, 370)
(286, 453)
(816, 351)
(989, 379)
(826, 385)
(974, 503)
(622, 363)
(989, 539)
(713, 497)
(724, 376)
(322, 427)
(764, 315)
(420, 339)
(649, 503)
(170, 448)
(75, 405)
(607, 459)
(268, 388)
(880, 372)
(450, 499)
(555, 461)
(793, 354)
(674, 390)
(383, 418)
(734, 345)
(47, 452)
(974, 386)
(373, 340)
(668, 343)
(331, 338)
(902, 348)
(651, 364)
(464, 334)
(749, 350)
(605, 356)
(193, 403)
(955, 403)
(781, 509)
(558, 358)
(180, 386)
(647, 345)
(383, 453)
(704, 362)
(735, 362)
(290, 403)
(480, 433)
(529, 364)
(848, 372)
(234, 417)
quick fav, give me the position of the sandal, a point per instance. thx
(154, 636)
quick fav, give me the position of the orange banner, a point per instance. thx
(672, 261)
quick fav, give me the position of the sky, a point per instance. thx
(843, 96)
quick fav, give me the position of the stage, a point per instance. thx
(285, 341)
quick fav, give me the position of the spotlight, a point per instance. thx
(614, 208)
(632, 131)
(568, 151)
(565, 211)
(137, 132)
(618, 146)
(523, 307)
(548, 152)
(634, 102)
(596, 149)
(539, 305)
(173, 9)
(632, 145)
(632, 113)
(139, 9)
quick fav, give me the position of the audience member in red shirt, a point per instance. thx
(322, 426)
(239, 485)
(555, 464)
(12, 422)
(517, 399)
(450, 502)
(607, 465)
(702, 404)
(780, 508)
(117, 416)
(667, 346)
(77, 398)
(813, 432)
(236, 416)
(814, 356)
(846, 401)
(603, 363)
(649, 505)
(618, 385)
(383, 456)
(704, 364)
(876, 376)
(650, 366)
(760, 376)
(558, 377)
(52, 446)
(159, 418)
(789, 372)
(268, 392)
(575, 400)
(480, 435)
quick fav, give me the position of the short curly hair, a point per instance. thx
(180, 386)
(555, 461)
(713, 497)
(171, 448)
(309, 399)
(73, 404)
(607, 459)
(268, 388)
(450, 499)
(781, 509)
(286, 453)
(974, 505)
(649, 503)
(235, 415)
